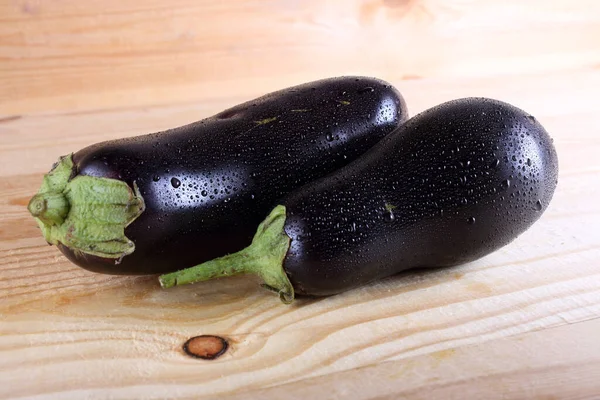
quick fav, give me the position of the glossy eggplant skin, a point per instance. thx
(208, 185)
(449, 186)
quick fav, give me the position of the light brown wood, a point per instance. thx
(520, 323)
(556, 363)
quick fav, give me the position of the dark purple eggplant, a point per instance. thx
(160, 202)
(449, 186)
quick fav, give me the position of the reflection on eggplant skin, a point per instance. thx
(387, 112)
(182, 190)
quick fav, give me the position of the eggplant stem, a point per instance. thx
(51, 208)
(84, 213)
(264, 257)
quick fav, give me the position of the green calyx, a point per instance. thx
(84, 213)
(264, 257)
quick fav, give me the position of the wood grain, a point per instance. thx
(520, 323)
(525, 366)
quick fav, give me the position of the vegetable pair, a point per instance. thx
(355, 192)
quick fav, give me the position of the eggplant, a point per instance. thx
(169, 200)
(449, 186)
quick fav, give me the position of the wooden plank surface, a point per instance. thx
(520, 323)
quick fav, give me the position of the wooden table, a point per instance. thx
(520, 323)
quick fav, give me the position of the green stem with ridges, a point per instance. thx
(264, 257)
(84, 213)
(51, 208)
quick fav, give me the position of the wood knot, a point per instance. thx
(206, 347)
